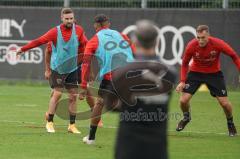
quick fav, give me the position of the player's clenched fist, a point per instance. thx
(47, 74)
(19, 52)
(180, 87)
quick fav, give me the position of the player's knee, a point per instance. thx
(57, 95)
(224, 103)
(99, 103)
(90, 101)
(73, 98)
(184, 101)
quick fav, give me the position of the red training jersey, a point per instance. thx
(206, 59)
(90, 49)
(51, 36)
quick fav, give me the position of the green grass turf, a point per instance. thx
(23, 136)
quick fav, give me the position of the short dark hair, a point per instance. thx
(101, 18)
(66, 11)
(202, 28)
(146, 33)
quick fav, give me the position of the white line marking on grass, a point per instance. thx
(26, 105)
(195, 132)
(107, 127)
(198, 132)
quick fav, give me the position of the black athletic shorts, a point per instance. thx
(214, 81)
(108, 94)
(105, 88)
(68, 81)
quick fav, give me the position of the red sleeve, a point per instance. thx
(81, 38)
(226, 49)
(185, 63)
(133, 48)
(51, 35)
(49, 47)
(82, 41)
(90, 49)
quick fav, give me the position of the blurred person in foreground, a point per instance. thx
(142, 132)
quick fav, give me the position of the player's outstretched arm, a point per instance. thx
(47, 37)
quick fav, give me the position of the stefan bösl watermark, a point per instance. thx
(154, 116)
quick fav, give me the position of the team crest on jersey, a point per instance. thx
(197, 54)
(213, 53)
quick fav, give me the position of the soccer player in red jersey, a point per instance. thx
(204, 51)
(89, 98)
(98, 47)
(68, 42)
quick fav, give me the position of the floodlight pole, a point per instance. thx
(66, 3)
(144, 4)
(225, 4)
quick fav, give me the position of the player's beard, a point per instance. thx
(68, 25)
